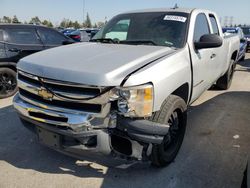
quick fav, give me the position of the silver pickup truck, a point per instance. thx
(125, 94)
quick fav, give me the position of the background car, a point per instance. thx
(75, 35)
(87, 34)
(243, 41)
(246, 31)
(18, 41)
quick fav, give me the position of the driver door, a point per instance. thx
(201, 58)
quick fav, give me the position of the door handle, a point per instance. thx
(15, 50)
(212, 56)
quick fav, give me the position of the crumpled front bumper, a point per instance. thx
(79, 136)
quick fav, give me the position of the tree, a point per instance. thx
(47, 23)
(6, 19)
(15, 20)
(87, 22)
(66, 23)
(35, 20)
(63, 23)
(50, 24)
(76, 25)
(70, 24)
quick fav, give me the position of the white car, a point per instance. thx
(126, 93)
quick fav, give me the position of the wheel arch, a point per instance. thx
(8, 65)
(234, 55)
(183, 92)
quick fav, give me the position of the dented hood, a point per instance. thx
(91, 63)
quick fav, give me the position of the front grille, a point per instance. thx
(94, 108)
(30, 85)
(60, 87)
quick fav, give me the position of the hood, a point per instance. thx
(91, 63)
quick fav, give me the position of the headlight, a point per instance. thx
(134, 101)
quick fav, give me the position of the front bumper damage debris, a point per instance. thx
(128, 139)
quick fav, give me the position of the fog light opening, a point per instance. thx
(121, 145)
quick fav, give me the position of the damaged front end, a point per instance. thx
(114, 123)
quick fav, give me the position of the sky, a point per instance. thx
(56, 10)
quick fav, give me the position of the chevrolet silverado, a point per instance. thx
(125, 94)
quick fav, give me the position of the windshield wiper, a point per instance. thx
(103, 40)
(137, 42)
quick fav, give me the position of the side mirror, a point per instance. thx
(243, 40)
(209, 41)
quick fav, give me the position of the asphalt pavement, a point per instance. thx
(214, 152)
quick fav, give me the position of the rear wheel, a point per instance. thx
(225, 81)
(8, 82)
(173, 112)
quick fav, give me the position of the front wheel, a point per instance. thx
(174, 113)
(8, 83)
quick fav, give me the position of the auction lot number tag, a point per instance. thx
(175, 18)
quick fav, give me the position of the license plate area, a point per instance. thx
(49, 139)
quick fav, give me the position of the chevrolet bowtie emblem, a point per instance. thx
(45, 94)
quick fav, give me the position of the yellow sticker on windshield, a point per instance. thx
(175, 18)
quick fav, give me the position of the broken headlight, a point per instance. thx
(134, 101)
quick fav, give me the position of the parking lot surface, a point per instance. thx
(214, 152)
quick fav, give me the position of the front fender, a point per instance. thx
(166, 74)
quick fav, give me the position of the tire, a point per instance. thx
(174, 113)
(8, 82)
(225, 81)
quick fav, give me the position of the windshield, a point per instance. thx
(246, 31)
(154, 28)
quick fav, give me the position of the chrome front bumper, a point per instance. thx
(83, 127)
(58, 117)
(74, 122)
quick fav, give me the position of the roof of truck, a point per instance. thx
(185, 10)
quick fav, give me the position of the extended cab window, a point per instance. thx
(51, 37)
(23, 36)
(214, 24)
(201, 27)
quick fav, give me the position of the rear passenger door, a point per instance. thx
(21, 42)
(51, 38)
(217, 55)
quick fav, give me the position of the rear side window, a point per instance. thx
(201, 27)
(51, 37)
(214, 25)
(23, 36)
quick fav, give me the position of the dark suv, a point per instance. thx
(246, 31)
(18, 41)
